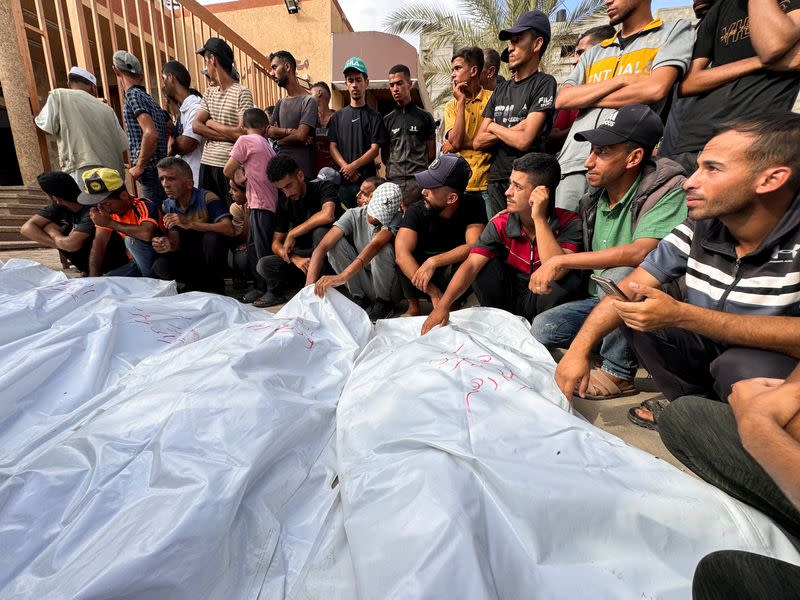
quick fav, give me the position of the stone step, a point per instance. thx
(13, 220)
(19, 245)
(18, 209)
(10, 233)
(23, 195)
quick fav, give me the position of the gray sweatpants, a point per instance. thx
(376, 280)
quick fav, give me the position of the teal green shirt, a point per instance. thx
(612, 226)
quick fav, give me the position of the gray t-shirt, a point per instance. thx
(291, 112)
(657, 45)
(355, 226)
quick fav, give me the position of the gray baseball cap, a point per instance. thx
(127, 62)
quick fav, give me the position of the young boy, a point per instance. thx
(248, 162)
(237, 257)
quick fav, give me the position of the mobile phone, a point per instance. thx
(609, 286)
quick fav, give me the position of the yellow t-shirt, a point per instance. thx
(473, 114)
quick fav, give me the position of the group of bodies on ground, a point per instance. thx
(667, 166)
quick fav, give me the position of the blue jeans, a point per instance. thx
(557, 327)
(150, 187)
(142, 263)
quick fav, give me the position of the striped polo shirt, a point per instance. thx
(658, 45)
(225, 107)
(764, 282)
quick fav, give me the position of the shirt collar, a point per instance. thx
(624, 201)
(654, 24)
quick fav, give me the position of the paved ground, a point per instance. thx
(610, 415)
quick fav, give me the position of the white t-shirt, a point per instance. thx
(188, 110)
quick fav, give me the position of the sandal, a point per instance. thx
(655, 405)
(602, 387)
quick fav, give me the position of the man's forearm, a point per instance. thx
(777, 334)
(37, 234)
(607, 258)
(546, 242)
(223, 227)
(772, 32)
(407, 263)
(776, 451)
(457, 134)
(207, 132)
(460, 282)
(587, 95)
(147, 148)
(368, 157)
(144, 231)
(600, 322)
(706, 80)
(230, 133)
(456, 255)
(644, 90)
(320, 219)
(337, 156)
(183, 144)
(96, 256)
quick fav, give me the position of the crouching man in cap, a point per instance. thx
(437, 234)
(359, 248)
(113, 209)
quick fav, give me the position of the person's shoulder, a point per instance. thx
(414, 213)
(209, 196)
(564, 216)
(500, 221)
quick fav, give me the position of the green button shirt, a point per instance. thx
(612, 226)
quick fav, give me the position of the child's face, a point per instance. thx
(237, 195)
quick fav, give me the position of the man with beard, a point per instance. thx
(412, 132)
(294, 118)
(519, 114)
(639, 65)
(436, 235)
(186, 144)
(356, 133)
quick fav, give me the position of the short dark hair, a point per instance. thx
(412, 193)
(491, 58)
(472, 55)
(173, 162)
(177, 70)
(59, 184)
(647, 151)
(255, 118)
(280, 166)
(541, 169)
(324, 87)
(599, 33)
(375, 181)
(777, 141)
(401, 69)
(285, 56)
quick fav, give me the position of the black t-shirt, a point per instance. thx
(354, 130)
(723, 37)
(291, 213)
(511, 103)
(410, 129)
(79, 221)
(436, 235)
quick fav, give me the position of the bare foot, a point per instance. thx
(413, 309)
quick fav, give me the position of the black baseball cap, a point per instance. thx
(635, 123)
(449, 170)
(219, 48)
(533, 19)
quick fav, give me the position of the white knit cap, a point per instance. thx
(83, 73)
(385, 203)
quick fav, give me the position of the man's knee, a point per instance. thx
(681, 423)
(545, 328)
(736, 364)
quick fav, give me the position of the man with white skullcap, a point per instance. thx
(360, 250)
(87, 131)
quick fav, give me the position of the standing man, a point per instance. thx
(145, 122)
(738, 76)
(65, 225)
(188, 144)
(219, 119)
(113, 209)
(86, 130)
(412, 132)
(463, 116)
(519, 114)
(639, 65)
(356, 133)
(294, 117)
(199, 231)
(322, 151)
(490, 73)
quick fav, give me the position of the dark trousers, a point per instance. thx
(441, 279)
(702, 434)
(500, 286)
(115, 257)
(683, 363)
(199, 262)
(214, 180)
(497, 197)
(259, 241)
(281, 276)
(744, 576)
(150, 187)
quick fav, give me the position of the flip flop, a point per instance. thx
(602, 387)
(655, 405)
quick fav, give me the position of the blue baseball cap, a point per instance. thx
(355, 64)
(533, 19)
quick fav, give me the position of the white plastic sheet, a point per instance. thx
(464, 477)
(214, 464)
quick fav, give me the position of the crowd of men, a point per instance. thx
(667, 167)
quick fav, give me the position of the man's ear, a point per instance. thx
(772, 179)
(635, 158)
